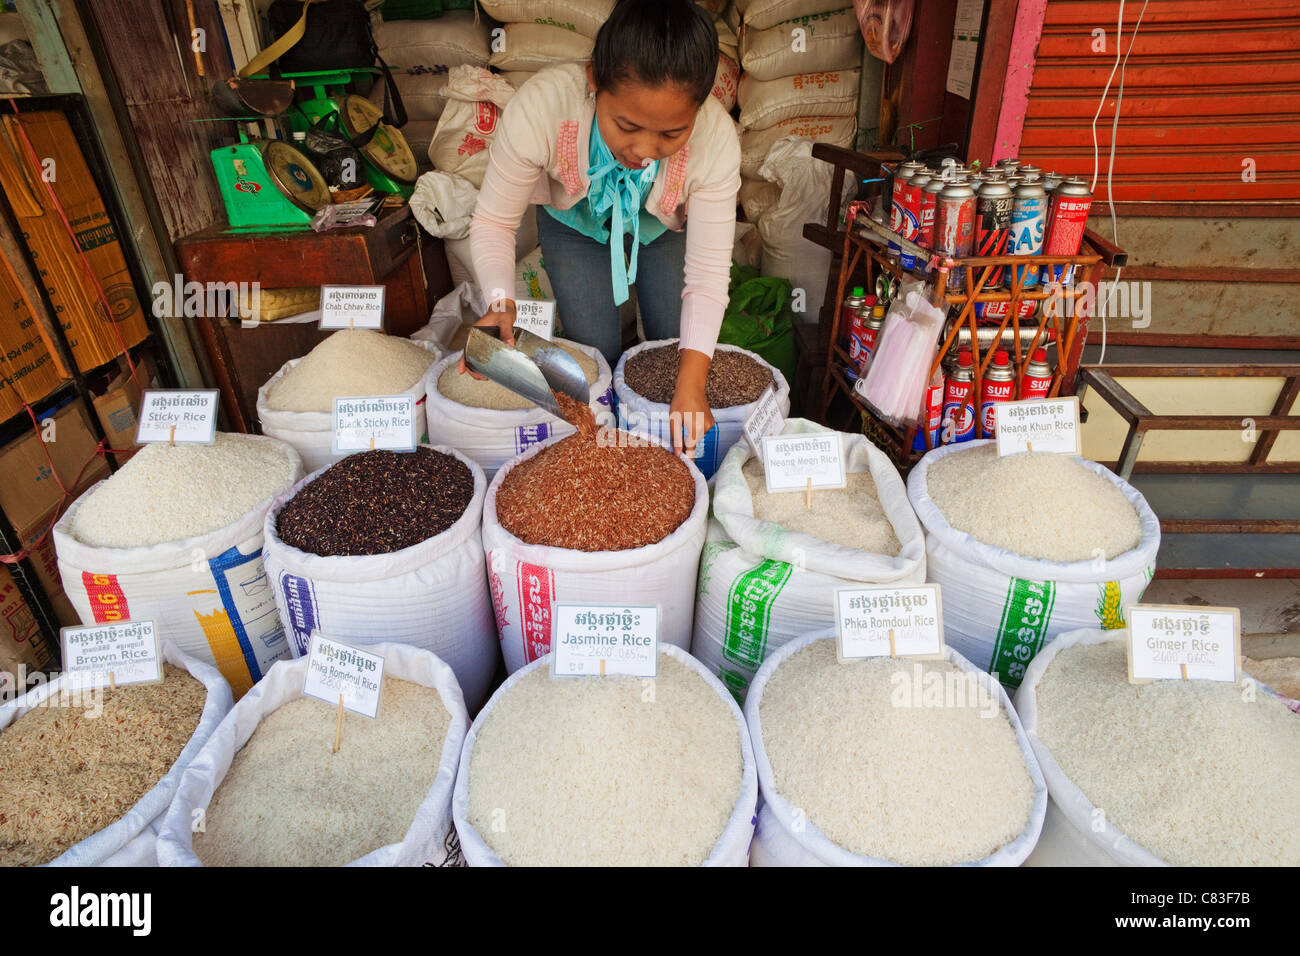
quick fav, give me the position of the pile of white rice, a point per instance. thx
(287, 800)
(917, 785)
(1036, 504)
(350, 362)
(166, 492)
(1193, 771)
(467, 390)
(602, 771)
(851, 516)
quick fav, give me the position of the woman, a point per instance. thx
(617, 153)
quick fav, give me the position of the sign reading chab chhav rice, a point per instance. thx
(101, 655)
(889, 621)
(1046, 424)
(766, 419)
(375, 421)
(178, 416)
(595, 639)
(536, 316)
(790, 462)
(351, 307)
(1183, 642)
(336, 669)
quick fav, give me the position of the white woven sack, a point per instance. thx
(490, 436)
(527, 265)
(762, 586)
(726, 81)
(132, 840)
(528, 580)
(469, 121)
(764, 103)
(1002, 608)
(755, 143)
(419, 136)
(517, 78)
(529, 47)
(311, 434)
(757, 196)
(208, 594)
(432, 595)
(829, 41)
(429, 840)
(779, 841)
(728, 42)
(761, 14)
(421, 97)
(443, 203)
(732, 848)
(638, 414)
(457, 38)
(583, 17)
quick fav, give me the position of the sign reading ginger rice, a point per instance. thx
(1183, 642)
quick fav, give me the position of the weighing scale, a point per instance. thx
(268, 185)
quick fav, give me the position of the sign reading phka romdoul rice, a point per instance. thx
(800, 462)
(889, 621)
(536, 316)
(335, 670)
(375, 421)
(605, 639)
(1048, 424)
(766, 419)
(186, 416)
(351, 307)
(100, 655)
(1183, 642)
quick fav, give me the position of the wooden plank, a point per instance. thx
(1091, 12)
(1211, 210)
(1136, 370)
(1254, 574)
(1114, 394)
(1286, 400)
(1207, 39)
(995, 54)
(1229, 526)
(47, 43)
(1209, 274)
(1172, 102)
(1220, 423)
(1046, 133)
(1196, 340)
(1211, 468)
(1019, 78)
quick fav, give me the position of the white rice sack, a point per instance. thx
(457, 38)
(475, 98)
(728, 42)
(815, 43)
(429, 838)
(764, 103)
(583, 17)
(461, 262)
(1195, 773)
(1001, 608)
(419, 136)
(421, 97)
(755, 143)
(762, 14)
(132, 840)
(443, 203)
(529, 47)
(757, 196)
(517, 78)
(726, 81)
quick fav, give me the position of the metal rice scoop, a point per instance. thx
(532, 369)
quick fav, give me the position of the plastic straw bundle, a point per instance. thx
(895, 383)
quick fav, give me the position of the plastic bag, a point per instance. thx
(885, 25)
(443, 203)
(895, 383)
(758, 317)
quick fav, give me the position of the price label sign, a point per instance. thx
(376, 421)
(766, 419)
(600, 639)
(351, 307)
(889, 621)
(335, 669)
(1050, 424)
(178, 416)
(1183, 642)
(100, 655)
(792, 461)
(536, 316)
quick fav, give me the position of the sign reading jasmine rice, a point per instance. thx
(375, 421)
(351, 307)
(766, 419)
(336, 669)
(536, 316)
(889, 621)
(600, 639)
(1038, 425)
(102, 655)
(800, 462)
(1183, 642)
(178, 416)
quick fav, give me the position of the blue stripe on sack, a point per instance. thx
(219, 566)
(528, 435)
(300, 599)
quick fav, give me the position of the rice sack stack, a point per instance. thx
(608, 771)
(646, 376)
(269, 790)
(1180, 773)
(87, 774)
(491, 424)
(771, 565)
(600, 517)
(175, 537)
(1027, 547)
(888, 761)
(385, 546)
(296, 405)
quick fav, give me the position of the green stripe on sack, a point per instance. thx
(1023, 629)
(749, 608)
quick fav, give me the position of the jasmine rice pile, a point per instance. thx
(1192, 771)
(167, 493)
(467, 390)
(1091, 514)
(588, 772)
(287, 800)
(350, 362)
(917, 785)
(851, 516)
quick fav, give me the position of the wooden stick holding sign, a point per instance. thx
(338, 727)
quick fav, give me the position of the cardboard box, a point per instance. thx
(95, 334)
(44, 559)
(29, 368)
(28, 491)
(119, 409)
(21, 643)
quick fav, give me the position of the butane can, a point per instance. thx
(1028, 224)
(1067, 220)
(1010, 164)
(954, 227)
(931, 414)
(993, 226)
(852, 302)
(1031, 171)
(959, 402)
(1051, 181)
(929, 196)
(911, 223)
(903, 173)
(870, 335)
(994, 311)
(998, 385)
(1037, 380)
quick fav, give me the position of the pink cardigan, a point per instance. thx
(540, 156)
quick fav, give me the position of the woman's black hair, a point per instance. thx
(656, 43)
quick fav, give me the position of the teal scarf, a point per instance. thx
(616, 188)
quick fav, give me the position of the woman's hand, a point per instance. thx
(689, 415)
(501, 316)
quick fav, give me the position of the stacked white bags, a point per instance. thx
(536, 34)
